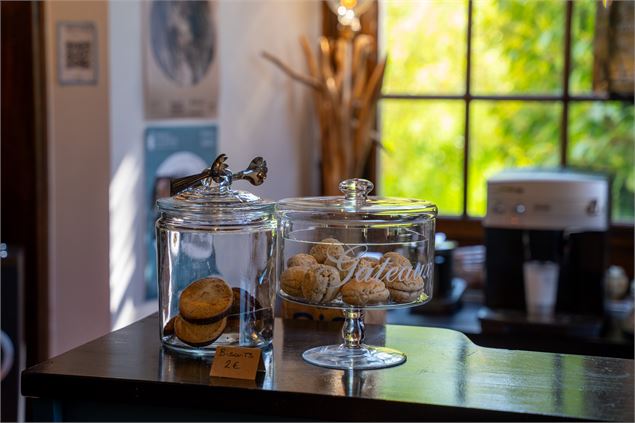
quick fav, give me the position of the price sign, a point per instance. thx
(237, 363)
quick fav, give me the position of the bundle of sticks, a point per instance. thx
(346, 81)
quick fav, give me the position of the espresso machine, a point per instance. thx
(557, 215)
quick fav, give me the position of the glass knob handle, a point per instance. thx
(356, 188)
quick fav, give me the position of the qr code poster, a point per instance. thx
(77, 53)
(180, 59)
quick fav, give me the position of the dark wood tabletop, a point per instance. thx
(446, 377)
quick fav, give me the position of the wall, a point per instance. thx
(78, 152)
(261, 112)
(127, 211)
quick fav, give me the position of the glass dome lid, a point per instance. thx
(357, 204)
(208, 195)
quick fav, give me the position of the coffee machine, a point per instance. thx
(558, 215)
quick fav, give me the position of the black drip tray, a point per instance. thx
(518, 322)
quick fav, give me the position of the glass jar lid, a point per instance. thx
(356, 204)
(208, 197)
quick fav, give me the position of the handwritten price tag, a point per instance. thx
(237, 363)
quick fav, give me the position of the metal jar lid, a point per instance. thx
(208, 199)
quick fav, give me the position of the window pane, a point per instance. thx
(601, 138)
(509, 134)
(582, 31)
(518, 46)
(424, 158)
(426, 46)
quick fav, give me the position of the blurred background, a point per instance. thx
(103, 101)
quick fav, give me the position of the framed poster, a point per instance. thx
(180, 57)
(171, 152)
(77, 53)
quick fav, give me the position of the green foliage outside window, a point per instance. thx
(518, 46)
(517, 49)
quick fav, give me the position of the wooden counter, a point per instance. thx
(126, 375)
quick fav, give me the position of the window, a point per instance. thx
(473, 87)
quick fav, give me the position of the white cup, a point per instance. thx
(541, 287)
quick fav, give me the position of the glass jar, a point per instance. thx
(355, 252)
(215, 251)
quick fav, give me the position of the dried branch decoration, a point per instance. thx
(345, 96)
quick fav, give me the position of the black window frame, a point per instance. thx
(468, 230)
(564, 97)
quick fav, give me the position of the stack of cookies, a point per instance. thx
(326, 273)
(207, 308)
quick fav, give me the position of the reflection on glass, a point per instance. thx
(174, 367)
(426, 45)
(463, 355)
(601, 138)
(518, 46)
(582, 31)
(424, 159)
(179, 368)
(445, 368)
(359, 383)
(509, 134)
(572, 375)
(439, 369)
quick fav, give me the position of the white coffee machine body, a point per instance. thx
(557, 215)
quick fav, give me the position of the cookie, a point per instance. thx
(243, 302)
(264, 294)
(362, 268)
(368, 292)
(206, 300)
(394, 259)
(291, 280)
(393, 265)
(168, 329)
(301, 259)
(368, 261)
(409, 283)
(327, 247)
(343, 264)
(198, 335)
(244, 307)
(405, 296)
(321, 284)
(366, 269)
